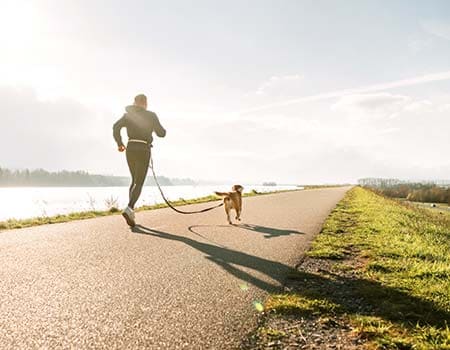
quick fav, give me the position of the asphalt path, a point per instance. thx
(175, 281)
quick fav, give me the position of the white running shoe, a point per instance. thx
(128, 214)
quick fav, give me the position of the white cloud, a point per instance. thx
(314, 147)
(437, 28)
(62, 134)
(331, 166)
(417, 45)
(421, 79)
(389, 131)
(380, 103)
(383, 104)
(277, 81)
(419, 106)
(444, 108)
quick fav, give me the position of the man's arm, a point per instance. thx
(118, 125)
(159, 130)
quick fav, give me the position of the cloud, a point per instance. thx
(332, 166)
(421, 79)
(54, 134)
(316, 146)
(277, 81)
(419, 106)
(437, 28)
(379, 106)
(444, 108)
(418, 45)
(372, 103)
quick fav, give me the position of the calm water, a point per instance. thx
(27, 202)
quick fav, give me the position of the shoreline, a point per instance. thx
(11, 224)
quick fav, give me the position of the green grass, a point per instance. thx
(394, 257)
(300, 304)
(44, 220)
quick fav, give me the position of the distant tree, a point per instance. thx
(41, 177)
(428, 192)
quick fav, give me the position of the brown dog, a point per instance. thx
(232, 200)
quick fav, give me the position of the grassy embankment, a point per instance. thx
(377, 277)
(43, 220)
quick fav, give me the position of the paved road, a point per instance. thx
(177, 281)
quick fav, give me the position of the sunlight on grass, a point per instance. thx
(407, 251)
(294, 303)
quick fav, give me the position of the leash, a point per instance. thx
(167, 201)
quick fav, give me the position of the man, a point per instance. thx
(140, 125)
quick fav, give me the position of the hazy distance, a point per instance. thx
(292, 92)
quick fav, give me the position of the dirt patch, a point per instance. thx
(310, 330)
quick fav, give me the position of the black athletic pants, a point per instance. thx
(138, 157)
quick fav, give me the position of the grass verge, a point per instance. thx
(377, 277)
(44, 220)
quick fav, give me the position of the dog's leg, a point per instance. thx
(239, 208)
(227, 210)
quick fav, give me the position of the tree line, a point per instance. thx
(64, 178)
(427, 192)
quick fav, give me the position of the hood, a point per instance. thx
(132, 109)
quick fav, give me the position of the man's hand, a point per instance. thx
(122, 148)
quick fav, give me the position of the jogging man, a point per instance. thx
(140, 125)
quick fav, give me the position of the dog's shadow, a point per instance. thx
(269, 232)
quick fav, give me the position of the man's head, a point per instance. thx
(141, 101)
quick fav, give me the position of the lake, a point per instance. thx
(27, 202)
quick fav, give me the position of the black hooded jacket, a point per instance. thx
(140, 125)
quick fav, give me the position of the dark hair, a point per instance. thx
(140, 99)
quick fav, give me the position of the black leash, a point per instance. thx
(167, 201)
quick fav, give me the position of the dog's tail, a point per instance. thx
(222, 194)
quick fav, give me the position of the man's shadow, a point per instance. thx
(226, 258)
(337, 289)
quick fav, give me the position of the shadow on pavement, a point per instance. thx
(269, 232)
(384, 301)
(226, 258)
(193, 227)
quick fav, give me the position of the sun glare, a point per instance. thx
(18, 22)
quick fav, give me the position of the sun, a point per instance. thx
(18, 24)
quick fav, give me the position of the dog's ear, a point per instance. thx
(238, 188)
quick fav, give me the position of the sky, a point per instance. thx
(295, 92)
